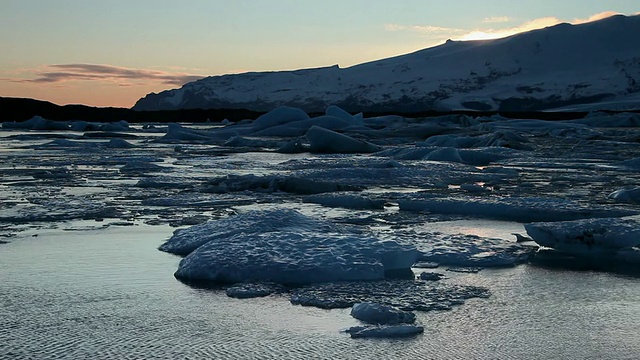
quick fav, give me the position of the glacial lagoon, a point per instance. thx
(84, 212)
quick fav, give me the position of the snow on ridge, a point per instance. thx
(559, 66)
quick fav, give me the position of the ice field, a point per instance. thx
(287, 236)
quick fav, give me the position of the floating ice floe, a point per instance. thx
(179, 133)
(52, 174)
(407, 295)
(626, 195)
(292, 122)
(92, 146)
(335, 111)
(119, 144)
(272, 183)
(53, 210)
(348, 201)
(300, 127)
(66, 143)
(379, 314)
(397, 331)
(431, 276)
(471, 251)
(37, 123)
(240, 141)
(163, 182)
(631, 164)
(286, 247)
(601, 119)
(525, 209)
(142, 167)
(590, 237)
(185, 241)
(247, 291)
(476, 156)
(83, 126)
(500, 138)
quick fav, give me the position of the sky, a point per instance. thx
(113, 52)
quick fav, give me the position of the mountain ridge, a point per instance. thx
(560, 66)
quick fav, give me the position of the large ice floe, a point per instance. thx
(286, 247)
(596, 238)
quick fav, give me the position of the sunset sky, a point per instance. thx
(112, 52)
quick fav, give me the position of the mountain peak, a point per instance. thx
(593, 64)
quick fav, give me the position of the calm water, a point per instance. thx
(108, 293)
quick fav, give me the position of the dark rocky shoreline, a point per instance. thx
(21, 109)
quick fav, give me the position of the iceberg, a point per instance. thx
(326, 141)
(335, 111)
(179, 133)
(279, 116)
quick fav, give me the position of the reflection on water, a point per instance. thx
(479, 227)
(107, 293)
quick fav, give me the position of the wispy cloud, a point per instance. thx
(496, 19)
(489, 32)
(100, 72)
(499, 33)
(425, 29)
(596, 17)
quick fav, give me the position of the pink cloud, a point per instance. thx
(101, 72)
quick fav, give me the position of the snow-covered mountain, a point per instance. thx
(587, 66)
